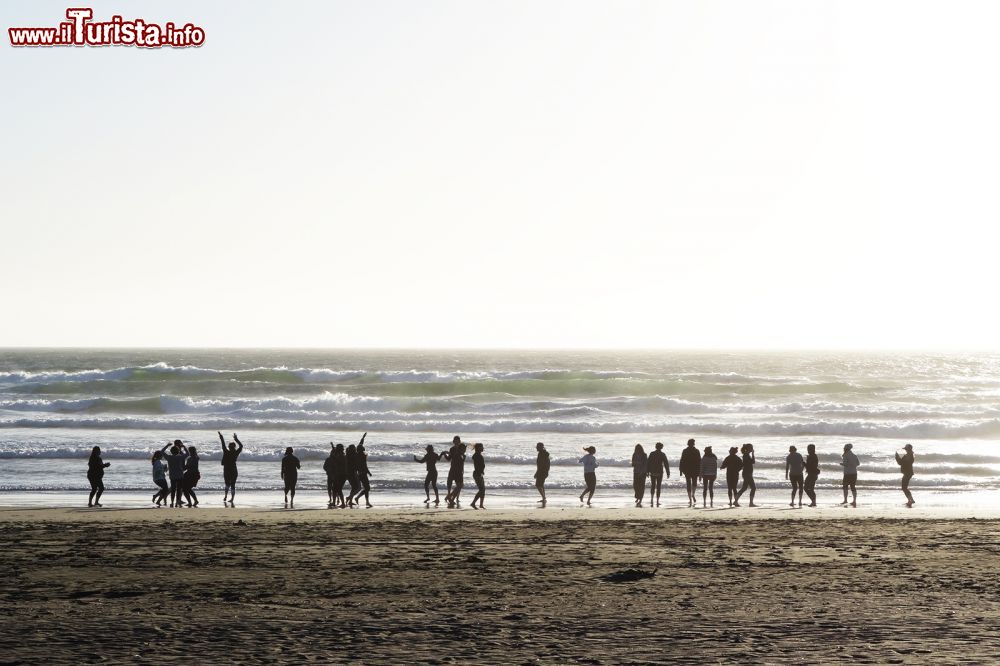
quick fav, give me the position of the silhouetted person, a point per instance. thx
(709, 470)
(329, 466)
(229, 470)
(732, 464)
(749, 460)
(290, 466)
(339, 476)
(364, 473)
(657, 464)
(905, 463)
(690, 467)
(479, 475)
(590, 466)
(175, 464)
(812, 473)
(430, 459)
(456, 471)
(640, 468)
(794, 466)
(191, 476)
(160, 479)
(850, 463)
(95, 475)
(351, 466)
(542, 465)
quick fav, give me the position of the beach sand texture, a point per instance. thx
(395, 587)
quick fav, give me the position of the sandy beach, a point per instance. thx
(393, 586)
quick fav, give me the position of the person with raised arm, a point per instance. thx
(812, 473)
(290, 466)
(690, 467)
(794, 465)
(175, 465)
(709, 470)
(542, 465)
(905, 463)
(749, 460)
(590, 466)
(160, 479)
(732, 464)
(658, 463)
(229, 471)
(479, 475)
(95, 475)
(430, 459)
(849, 461)
(364, 473)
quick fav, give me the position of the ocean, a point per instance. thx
(56, 404)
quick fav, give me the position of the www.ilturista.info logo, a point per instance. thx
(80, 30)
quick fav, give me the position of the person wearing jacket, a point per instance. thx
(95, 475)
(175, 467)
(732, 464)
(690, 467)
(590, 465)
(709, 470)
(850, 463)
(656, 465)
(905, 463)
(812, 473)
(640, 465)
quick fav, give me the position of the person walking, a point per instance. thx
(479, 475)
(905, 463)
(160, 479)
(794, 466)
(812, 473)
(657, 464)
(749, 460)
(191, 477)
(290, 466)
(95, 475)
(850, 463)
(690, 467)
(590, 466)
(640, 467)
(709, 470)
(732, 464)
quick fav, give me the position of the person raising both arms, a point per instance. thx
(658, 464)
(905, 463)
(430, 459)
(229, 471)
(175, 464)
(364, 473)
(794, 464)
(690, 467)
(95, 475)
(542, 465)
(290, 466)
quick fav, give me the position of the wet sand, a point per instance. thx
(495, 587)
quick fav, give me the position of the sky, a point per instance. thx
(774, 175)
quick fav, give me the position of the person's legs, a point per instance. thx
(704, 491)
(480, 490)
(854, 490)
(100, 491)
(753, 489)
(710, 483)
(847, 484)
(810, 488)
(799, 482)
(434, 484)
(93, 491)
(906, 489)
(591, 486)
(654, 489)
(292, 490)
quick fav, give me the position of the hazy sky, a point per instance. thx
(507, 174)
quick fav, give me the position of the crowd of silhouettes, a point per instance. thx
(176, 474)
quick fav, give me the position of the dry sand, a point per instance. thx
(495, 587)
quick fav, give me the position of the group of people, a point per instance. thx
(176, 473)
(696, 465)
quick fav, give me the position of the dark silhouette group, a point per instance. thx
(176, 474)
